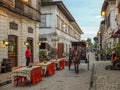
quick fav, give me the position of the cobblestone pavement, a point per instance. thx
(68, 80)
(106, 79)
(62, 80)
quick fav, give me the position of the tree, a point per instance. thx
(90, 44)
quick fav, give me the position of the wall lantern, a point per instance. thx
(64, 25)
(103, 13)
(5, 42)
(99, 32)
(75, 35)
(38, 43)
(26, 43)
(26, 1)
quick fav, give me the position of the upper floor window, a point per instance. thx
(43, 21)
(119, 8)
(19, 4)
(58, 22)
(108, 21)
(69, 30)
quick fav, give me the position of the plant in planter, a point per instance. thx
(117, 48)
(42, 55)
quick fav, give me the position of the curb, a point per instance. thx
(5, 82)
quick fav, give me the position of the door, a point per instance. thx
(30, 41)
(60, 50)
(12, 50)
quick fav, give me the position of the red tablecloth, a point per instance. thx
(48, 68)
(22, 75)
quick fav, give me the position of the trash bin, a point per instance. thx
(8, 64)
(3, 70)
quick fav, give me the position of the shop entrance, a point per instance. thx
(30, 41)
(12, 50)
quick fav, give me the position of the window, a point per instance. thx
(19, 4)
(108, 21)
(58, 22)
(43, 21)
(119, 8)
(69, 30)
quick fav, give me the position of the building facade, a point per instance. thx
(108, 12)
(19, 26)
(58, 27)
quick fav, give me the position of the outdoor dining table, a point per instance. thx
(59, 63)
(28, 73)
(48, 68)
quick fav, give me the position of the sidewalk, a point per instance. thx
(5, 78)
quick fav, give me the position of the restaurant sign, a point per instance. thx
(13, 25)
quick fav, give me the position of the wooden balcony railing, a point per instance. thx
(21, 8)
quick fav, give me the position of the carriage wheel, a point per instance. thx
(88, 65)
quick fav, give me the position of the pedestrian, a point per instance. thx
(114, 57)
(27, 54)
(70, 57)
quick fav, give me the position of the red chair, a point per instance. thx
(20, 81)
(50, 69)
(62, 64)
(36, 75)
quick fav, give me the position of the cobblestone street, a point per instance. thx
(62, 80)
(106, 79)
(68, 80)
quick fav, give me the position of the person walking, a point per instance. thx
(27, 54)
(70, 57)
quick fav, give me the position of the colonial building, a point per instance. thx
(19, 26)
(101, 35)
(109, 14)
(58, 27)
(117, 31)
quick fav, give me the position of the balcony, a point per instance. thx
(21, 8)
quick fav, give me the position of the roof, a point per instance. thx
(62, 7)
(105, 5)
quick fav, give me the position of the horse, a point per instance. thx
(76, 60)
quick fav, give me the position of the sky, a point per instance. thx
(87, 14)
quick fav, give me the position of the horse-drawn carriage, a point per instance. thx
(80, 47)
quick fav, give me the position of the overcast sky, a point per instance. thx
(87, 15)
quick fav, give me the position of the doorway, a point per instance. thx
(12, 49)
(30, 41)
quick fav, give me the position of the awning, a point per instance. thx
(117, 32)
(114, 35)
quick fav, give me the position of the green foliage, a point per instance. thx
(90, 44)
(42, 54)
(117, 48)
(95, 45)
(109, 51)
